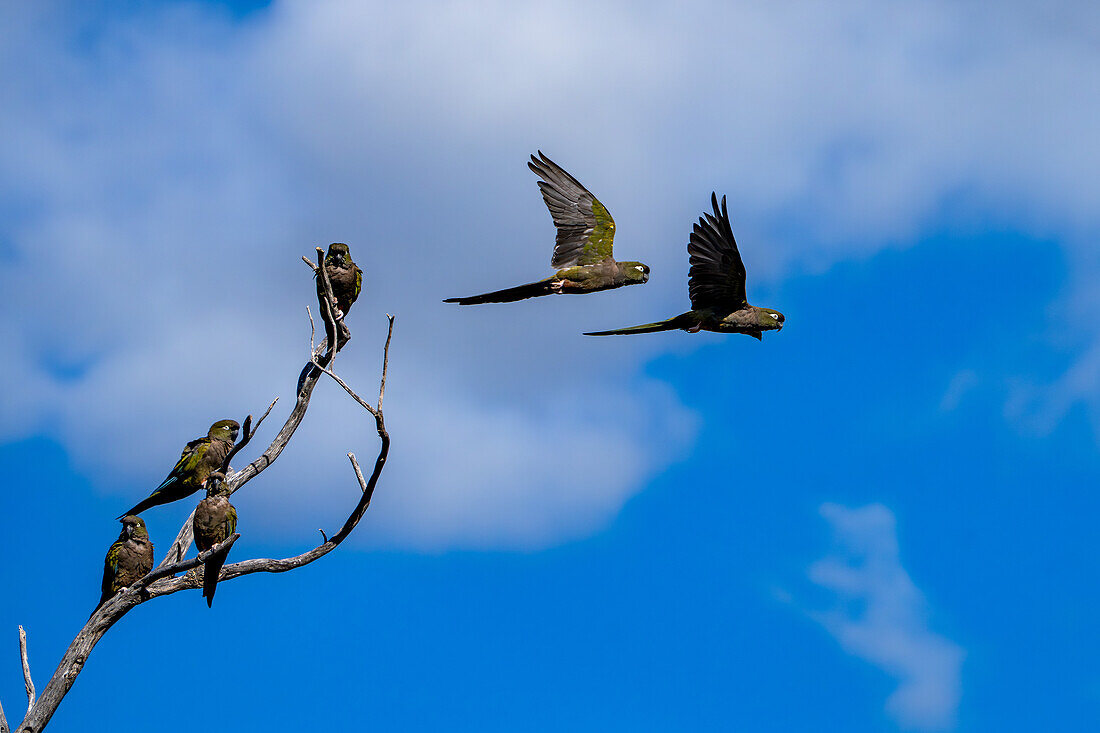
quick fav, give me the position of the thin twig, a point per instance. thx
(27, 681)
(365, 405)
(180, 545)
(168, 586)
(248, 430)
(183, 565)
(312, 334)
(358, 472)
(3, 722)
(171, 575)
(385, 363)
(333, 323)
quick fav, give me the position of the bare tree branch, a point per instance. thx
(183, 540)
(3, 722)
(237, 479)
(27, 681)
(172, 574)
(268, 565)
(247, 431)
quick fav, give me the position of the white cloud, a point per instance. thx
(171, 165)
(961, 384)
(880, 616)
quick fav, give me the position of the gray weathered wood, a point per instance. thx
(27, 681)
(172, 576)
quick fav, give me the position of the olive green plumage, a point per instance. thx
(716, 286)
(129, 559)
(215, 520)
(198, 460)
(347, 283)
(582, 249)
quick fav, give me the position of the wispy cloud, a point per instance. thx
(175, 163)
(880, 615)
(961, 384)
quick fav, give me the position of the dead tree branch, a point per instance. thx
(172, 576)
(27, 681)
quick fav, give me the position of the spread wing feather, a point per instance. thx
(585, 228)
(717, 275)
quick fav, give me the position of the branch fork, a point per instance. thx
(172, 574)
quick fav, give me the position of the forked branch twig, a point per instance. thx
(172, 576)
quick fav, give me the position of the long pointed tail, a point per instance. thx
(508, 295)
(210, 572)
(167, 492)
(149, 501)
(683, 321)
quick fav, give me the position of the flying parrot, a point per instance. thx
(582, 248)
(716, 286)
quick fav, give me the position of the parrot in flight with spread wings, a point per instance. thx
(716, 286)
(582, 248)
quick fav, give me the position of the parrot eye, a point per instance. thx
(639, 269)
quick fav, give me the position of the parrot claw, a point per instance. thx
(557, 285)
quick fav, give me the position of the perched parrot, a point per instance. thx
(716, 285)
(347, 283)
(215, 520)
(199, 458)
(129, 559)
(582, 249)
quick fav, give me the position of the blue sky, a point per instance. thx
(879, 519)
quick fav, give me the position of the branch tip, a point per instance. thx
(27, 681)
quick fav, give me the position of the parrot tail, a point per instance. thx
(210, 572)
(156, 498)
(508, 295)
(683, 321)
(151, 500)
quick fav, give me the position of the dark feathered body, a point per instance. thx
(343, 274)
(346, 280)
(198, 460)
(215, 520)
(129, 558)
(716, 286)
(751, 321)
(576, 280)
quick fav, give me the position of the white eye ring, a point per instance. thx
(638, 269)
(775, 316)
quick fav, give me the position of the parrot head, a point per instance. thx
(216, 485)
(769, 320)
(338, 254)
(636, 272)
(133, 527)
(225, 430)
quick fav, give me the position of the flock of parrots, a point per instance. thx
(584, 264)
